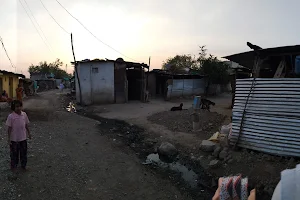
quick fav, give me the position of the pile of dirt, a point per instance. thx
(181, 121)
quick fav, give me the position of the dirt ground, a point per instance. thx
(73, 157)
(99, 153)
(160, 124)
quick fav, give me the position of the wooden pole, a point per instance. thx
(75, 66)
(148, 73)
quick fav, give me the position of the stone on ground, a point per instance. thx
(167, 149)
(207, 146)
(214, 164)
(217, 151)
(223, 154)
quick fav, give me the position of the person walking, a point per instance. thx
(19, 92)
(61, 86)
(35, 87)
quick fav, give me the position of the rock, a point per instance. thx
(200, 158)
(207, 146)
(226, 149)
(223, 154)
(155, 149)
(132, 145)
(214, 164)
(229, 156)
(167, 149)
(230, 161)
(150, 142)
(217, 151)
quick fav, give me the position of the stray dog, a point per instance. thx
(176, 108)
(205, 104)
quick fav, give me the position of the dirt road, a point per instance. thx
(69, 158)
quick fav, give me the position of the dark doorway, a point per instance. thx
(135, 83)
(11, 87)
(161, 86)
(1, 86)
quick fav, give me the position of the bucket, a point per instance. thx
(197, 102)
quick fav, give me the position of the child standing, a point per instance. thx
(18, 132)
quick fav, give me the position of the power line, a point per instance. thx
(1, 40)
(38, 24)
(35, 27)
(93, 34)
(54, 18)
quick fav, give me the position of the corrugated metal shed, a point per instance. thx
(272, 119)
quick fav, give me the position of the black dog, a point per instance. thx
(176, 108)
(205, 104)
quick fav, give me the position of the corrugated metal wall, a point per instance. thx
(187, 87)
(272, 120)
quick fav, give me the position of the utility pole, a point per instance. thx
(148, 73)
(66, 68)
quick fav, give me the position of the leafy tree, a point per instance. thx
(48, 68)
(216, 70)
(179, 63)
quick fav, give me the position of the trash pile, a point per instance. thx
(218, 145)
(71, 108)
(222, 136)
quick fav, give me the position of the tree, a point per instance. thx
(179, 63)
(48, 68)
(216, 70)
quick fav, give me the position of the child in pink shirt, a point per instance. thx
(18, 131)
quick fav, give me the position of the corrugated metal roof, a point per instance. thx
(108, 60)
(272, 120)
(246, 59)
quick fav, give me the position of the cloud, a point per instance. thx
(143, 28)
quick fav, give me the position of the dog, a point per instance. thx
(176, 108)
(205, 104)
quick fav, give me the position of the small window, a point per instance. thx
(95, 70)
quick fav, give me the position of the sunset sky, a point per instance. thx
(142, 28)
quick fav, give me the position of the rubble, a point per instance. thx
(223, 154)
(214, 163)
(217, 151)
(207, 146)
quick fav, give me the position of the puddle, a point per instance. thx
(188, 175)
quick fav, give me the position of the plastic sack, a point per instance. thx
(226, 129)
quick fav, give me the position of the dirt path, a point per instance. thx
(70, 159)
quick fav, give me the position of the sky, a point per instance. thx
(141, 28)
